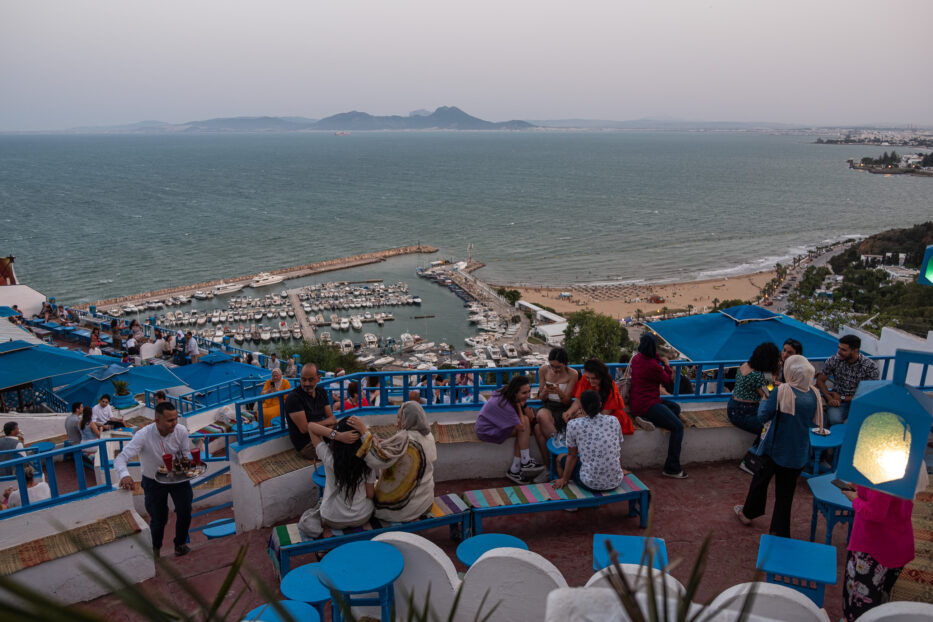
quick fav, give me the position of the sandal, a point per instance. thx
(739, 515)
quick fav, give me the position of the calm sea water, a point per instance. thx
(90, 217)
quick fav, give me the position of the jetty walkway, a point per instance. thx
(294, 272)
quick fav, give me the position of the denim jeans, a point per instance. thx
(744, 415)
(837, 414)
(665, 415)
(156, 497)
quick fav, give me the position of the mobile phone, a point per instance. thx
(550, 384)
(841, 485)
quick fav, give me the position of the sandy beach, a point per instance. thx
(622, 301)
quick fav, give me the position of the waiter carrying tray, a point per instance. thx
(151, 443)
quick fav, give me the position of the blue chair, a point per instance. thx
(220, 528)
(628, 549)
(800, 565)
(298, 611)
(320, 479)
(302, 584)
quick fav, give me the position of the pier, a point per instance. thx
(294, 272)
(307, 331)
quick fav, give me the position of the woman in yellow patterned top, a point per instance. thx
(270, 407)
(405, 489)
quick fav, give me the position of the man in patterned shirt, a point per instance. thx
(848, 367)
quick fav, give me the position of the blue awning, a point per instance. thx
(732, 334)
(100, 381)
(22, 362)
(216, 368)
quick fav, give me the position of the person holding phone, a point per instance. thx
(556, 383)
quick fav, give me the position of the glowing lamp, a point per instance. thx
(887, 430)
(926, 267)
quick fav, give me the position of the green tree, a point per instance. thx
(326, 357)
(512, 295)
(590, 334)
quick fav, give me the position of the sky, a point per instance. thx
(67, 64)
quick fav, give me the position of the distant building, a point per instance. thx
(901, 274)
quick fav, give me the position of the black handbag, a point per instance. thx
(753, 459)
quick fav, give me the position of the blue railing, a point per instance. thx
(72, 452)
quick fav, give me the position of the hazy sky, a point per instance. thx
(66, 63)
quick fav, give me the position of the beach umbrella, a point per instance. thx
(22, 362)
(217, 368)
(732, 334)
(140, 379)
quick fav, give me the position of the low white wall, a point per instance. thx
(65, 578)
(274, 500)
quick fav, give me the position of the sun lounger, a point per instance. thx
(544, 497)
(287, 542)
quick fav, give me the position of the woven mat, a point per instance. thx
(713, 418)
(443, 432)
(275, 465)
(137, 422)
(916, 580)
(61, 544)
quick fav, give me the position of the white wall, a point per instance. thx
(893, 339)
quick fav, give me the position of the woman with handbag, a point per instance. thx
(792, 410)
(751, 386)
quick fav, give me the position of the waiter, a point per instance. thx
(164, 436)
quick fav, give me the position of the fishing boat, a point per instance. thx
(275, 334)
(264, 333)
(227, 288)
(264, 278)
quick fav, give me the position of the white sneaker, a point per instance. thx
(644, 424)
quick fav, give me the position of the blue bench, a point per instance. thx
(287, 542)
(544, 497)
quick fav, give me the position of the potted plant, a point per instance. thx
(122, 398)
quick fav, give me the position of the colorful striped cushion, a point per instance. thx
(445, 505)
(536, 493)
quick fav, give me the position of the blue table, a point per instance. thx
(800, 565)
(298, 611)
(320, 479)
(360, 568)
(302, 584)
(819, 444)
(473, 548)
(829, 501)
(629, 550)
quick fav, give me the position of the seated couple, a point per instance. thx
(391, 479)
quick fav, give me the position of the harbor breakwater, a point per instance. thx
(294, 272)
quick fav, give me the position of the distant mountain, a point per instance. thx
(659, 124)
(444, 118)
(247, 124)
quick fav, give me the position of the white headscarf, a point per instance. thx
(798, 374)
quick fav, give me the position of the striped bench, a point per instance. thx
(287, 542)
(544, 497)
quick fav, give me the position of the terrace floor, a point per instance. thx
(684, 512)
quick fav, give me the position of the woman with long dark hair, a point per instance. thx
(650, 371)
(751, 386)
(349, 489)
(597, 440)
(507, 415)
(596, 378)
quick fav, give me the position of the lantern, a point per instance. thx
(926, 268)
(887, 430)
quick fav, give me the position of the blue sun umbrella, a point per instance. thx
(22, 362)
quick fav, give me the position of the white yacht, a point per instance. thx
(383, 361)
(344, 324)
(228, 288)
(371, 340)
(264, 278)
(356, 323)
(264, 333)
(346, 346)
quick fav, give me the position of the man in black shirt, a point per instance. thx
(309, 408)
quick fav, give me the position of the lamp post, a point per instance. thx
(887, 430)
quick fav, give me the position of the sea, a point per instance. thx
(90, 217)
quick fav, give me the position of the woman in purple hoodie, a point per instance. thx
(507, 415)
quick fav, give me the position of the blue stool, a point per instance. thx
(473, 548)
(628, 549)
(800, 565)
(554, 450)
(829, 501)
(320, 478)
(298, 611)
(302, 584)
(219, 528)
(820, 443)
(361, 568)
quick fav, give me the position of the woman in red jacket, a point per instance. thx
(596, 377)
(649, 372)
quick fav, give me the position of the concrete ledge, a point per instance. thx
(65, 578)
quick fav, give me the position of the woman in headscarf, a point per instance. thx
(881, 544)
(405, 489)
(790, 411)
(270, 407)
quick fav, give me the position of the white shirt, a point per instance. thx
(149, 446)
(599, 442)
(37, 493)
(100, 415)
(334, 506)
(192, 346)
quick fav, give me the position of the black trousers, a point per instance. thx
(156, 496)
(785, 483)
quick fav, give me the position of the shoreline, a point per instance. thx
(623, 300)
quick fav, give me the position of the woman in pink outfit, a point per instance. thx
(881, 544)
